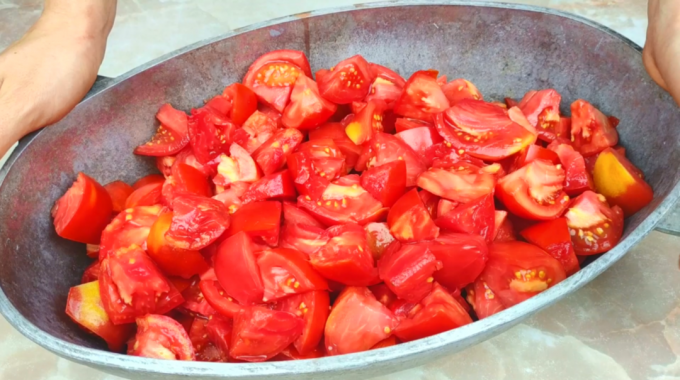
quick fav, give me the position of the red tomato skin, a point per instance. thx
(259, 220)
(410, 221)
(422, 97)
(119, 192)
(476, 218)
(151, 178)
(408, 272)
(463, 258)
(603, 228)
(383, 294)
(553, 237)
(197, 222)
(403, 124)
(237, 270)
(587, 120)
(218, 299)
(305, 178)
(260, 333)
(84, 306)
(209, 135)
(357, 322)
(271, 156)
(348, 81)
(129, 227)
(171, 137)
(147, 195)
(386, 183)
(286, 272)
(292, 214)
(313, 307)
(244, 102)
(578, 178)
(276, 96)
(274, 186)
(460, 89)
(158, 330)
(420, 139)
(83, 212)
(307, 109)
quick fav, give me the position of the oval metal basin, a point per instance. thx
(505, 50)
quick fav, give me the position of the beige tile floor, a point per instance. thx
(624, 325)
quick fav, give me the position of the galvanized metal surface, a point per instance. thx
(505, 50)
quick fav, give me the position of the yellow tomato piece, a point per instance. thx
(611, 177)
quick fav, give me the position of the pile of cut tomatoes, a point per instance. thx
(298, 218)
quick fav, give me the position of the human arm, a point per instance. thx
(661, 55)
(50, 69)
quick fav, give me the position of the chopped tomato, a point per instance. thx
(187, 156)
(542, 109)
(256, 131)
(517, 271)
(444, 206)
(436, 313)
(209, 135)
(240, 167)
(460, 89)
(171, 260)
(325, 158)
(206, 351)
(384, 148)
(132, 286)
(461, 183)
(357, 322)
(535, 191)
(594, 226)
(119, 192)
(83, 212)
(403, 124)
(346, 257)
(195, 303)
(378, 237)
(232, 197)
(410, 221)
(503, 229)
(220, 104)
(621, 182)
(307, 109)
(387, 85)
(386, 183)
(292, 214)
(197, 222)
(531, 153)
(260, 220)
(285, 272)
(274, 186)
(84, 306)
(591, 130)
(260, 333)
(271, 156)
(273, 75)
(336, 131)
(408, 271)
(185, 179)
(347, 81)
(171, 136)
(577, 177)
(244, 102)
(313, 307)
(303, 237)
(366, 122)
(91, 272)
(161, 337)
(484, 130)
(147, 195)
(220, 331)
(476, 218)
(462, 258)
(444, 155)
(237, 271)
(553, 237)
(483, 300)
(218, 299)
(420, 139)
(422, 97)
(306, 179)
(343, 204)
(383, 294)
(130, 227)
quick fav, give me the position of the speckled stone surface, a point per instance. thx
(623, 325)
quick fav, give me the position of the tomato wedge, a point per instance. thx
(542, 109)
(271, 156)
(483, 300)
(410, 221)
(422, 97)
(408, 271)
(161, 337)
(244, 102)
(255, 131)
(357, 322)
(171, 137)
(209, 135)
(460, 89)
(535, 191)
(366, 122)
(307, 109)
(386, 183)
(420, 138)
(218, 299)
(577, 177)
(237, 271)
(346, 82)
(83, 212)
(553, 237)
(462, 258)
(531, 153)
(130, 227)
(343, 204)
(184, 179)
(476, 218)
(303, 237)
(591, 130)
(171, 260)
(274, 186)
(313, 307)
(594, 226)
(119, 192)
(461, 183)
(197, 222)
(259, 220)
(384, 148)
(285, 272)
(260, 333)
(621, 182)
(147, 195)
(484, 130)
(378, 237)
(387, 85)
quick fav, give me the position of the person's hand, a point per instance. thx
(661, 55)
(49, 70)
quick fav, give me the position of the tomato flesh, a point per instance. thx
(591, 130)
(237, 270)
(422, 97)
(460, 89)
(170, 138)
(593, 225)
(410, 221)
(386, 183)
(476, 218)
(285, 272)
(197, 222)
(462, 258)
(577, 177)
(259, 220)
(621, 182)
(307, 109)
(130, 227)
(171, 260)
(408, 272)
(313, 307)
(542, 109)
(260, 333)
(553, 237)
(161, 337)
(347, 81)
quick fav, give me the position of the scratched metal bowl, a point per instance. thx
(505, 50)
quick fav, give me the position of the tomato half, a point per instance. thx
(130, 227)
(410, 221)
(462, 258)
(591, 130)
(243, 100)
(476, 218)
(84, 306)
(460, 89)
(535, 191)
(346, 257)
(237, 271)
(218, 299)
(273, 75)
(313, 307)
(593, 225)
(197, 222)
(119, 192)
(357, 322)
(83, 212)
(436, 313)
(285, 272)
(260, 333)
(386, 183)
(577, 177)
(387, 85)
(271, 156)
(461, 183)
(408, 272)
(161, 337)
(171, 260)
(384, 148)
(366, 122)
(260, 220)
(517, 271)
(171, 137)
(484, 130)
(340, 204)
(307, 109)
(422, 97)
(553, 237)
(347, 81)
(274, 186)
(542, 109)
(621, 182)
(209, 135)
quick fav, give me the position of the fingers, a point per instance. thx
(652, 69)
